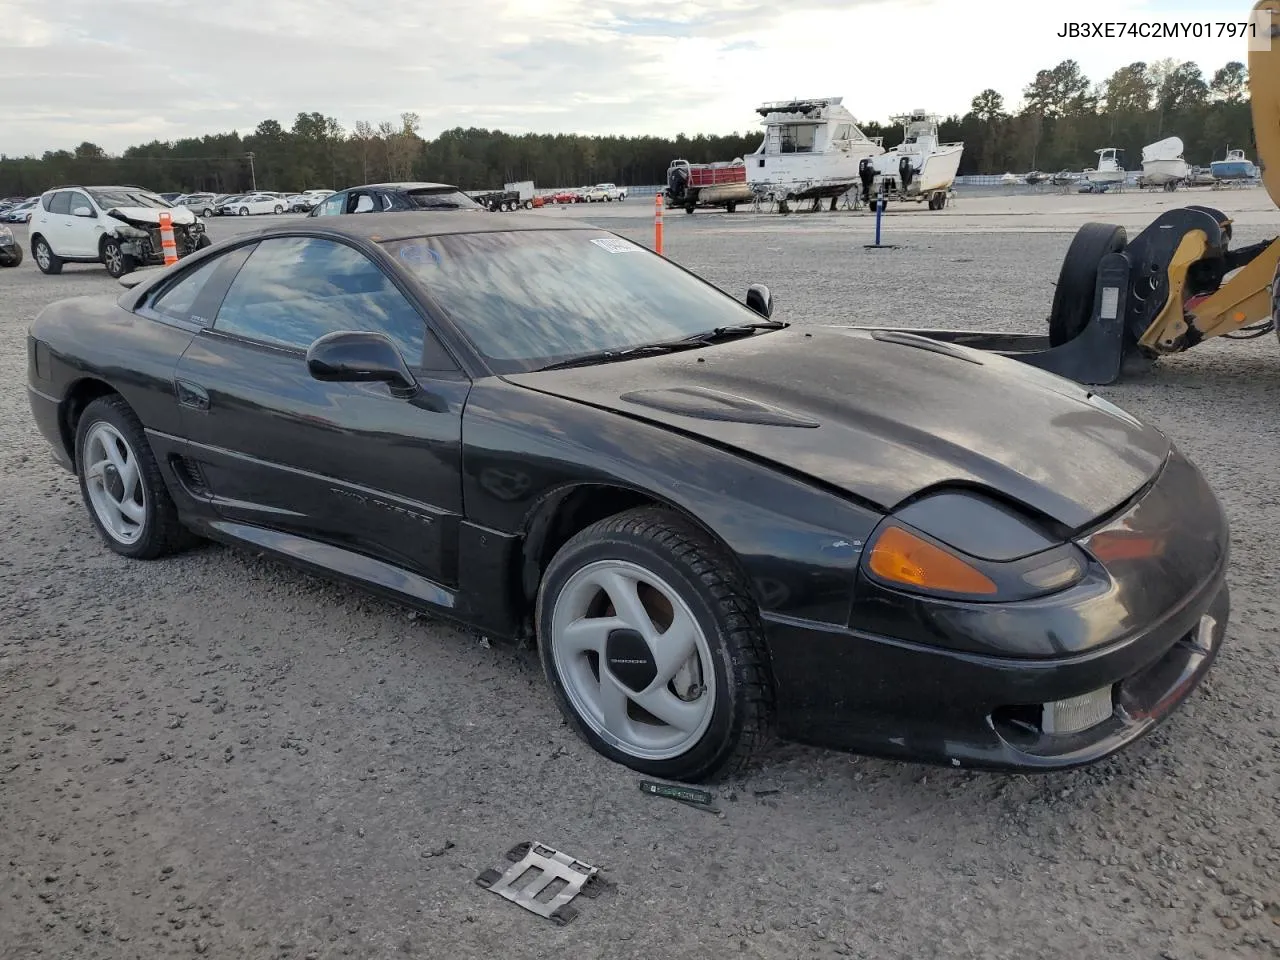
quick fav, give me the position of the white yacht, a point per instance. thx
(811, 151)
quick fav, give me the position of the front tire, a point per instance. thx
(121, 484)
(117, 262)
(48, 261)
(10, 255)
(279, 209)
(653, 649)
(244, 211)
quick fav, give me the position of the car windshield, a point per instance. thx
(527, 299)
(126, 198)
(440, 198)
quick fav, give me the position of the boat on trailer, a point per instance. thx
(919, 168)
(1110, 169)
(1163, 164)
(1236, 166)
(811, 151)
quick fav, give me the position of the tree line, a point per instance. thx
(1062, 119)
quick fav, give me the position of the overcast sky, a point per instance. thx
(119, 72)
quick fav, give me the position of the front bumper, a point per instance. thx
(874, 695)
(44, 410)
(965, 684)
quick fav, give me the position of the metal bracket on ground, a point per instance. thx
(544, 881)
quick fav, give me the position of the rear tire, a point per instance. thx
(48, 261)
(662, 577)
(1077, 281)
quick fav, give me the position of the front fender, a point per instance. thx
(524, 452)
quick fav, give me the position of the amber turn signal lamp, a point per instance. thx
(901, 557)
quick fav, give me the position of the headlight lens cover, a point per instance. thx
(961, 545)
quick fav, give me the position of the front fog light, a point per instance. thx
(1077, 713)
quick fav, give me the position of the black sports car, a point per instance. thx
(717, 526)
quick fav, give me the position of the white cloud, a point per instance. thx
(131, 70)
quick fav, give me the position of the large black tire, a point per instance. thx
(1077, 281)
(117, 262)
(706, 580)
(10, 255)
(161, 531)
(203, 242)
(48, 261)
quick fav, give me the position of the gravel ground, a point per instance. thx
(217, 756)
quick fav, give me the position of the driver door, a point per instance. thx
(344, 465)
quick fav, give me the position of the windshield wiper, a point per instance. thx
(735, 330)
(609, 356)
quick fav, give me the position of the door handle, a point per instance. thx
(191, 395)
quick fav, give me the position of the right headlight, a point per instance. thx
(964, 546)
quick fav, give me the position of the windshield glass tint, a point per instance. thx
(126, 198)
(440, 198)
(526, 299)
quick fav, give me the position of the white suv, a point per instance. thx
(118, 227)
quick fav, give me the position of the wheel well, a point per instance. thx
(575, 510)
(82, 393)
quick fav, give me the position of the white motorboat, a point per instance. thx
(1236, 166)
(1163, 164)
(811, 151)
(1109, 169)
(920, 167)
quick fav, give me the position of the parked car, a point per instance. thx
(20, 212)
(873, 555)
(10, 249)
(250, 204)
(603, 192)
(381, 197)
(118, 227)
(203, 204)
(303, 202)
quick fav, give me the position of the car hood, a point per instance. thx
(883, 416)
(151, 215)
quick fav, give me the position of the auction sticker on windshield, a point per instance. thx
(616, 245)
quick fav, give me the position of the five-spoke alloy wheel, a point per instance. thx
(653, 648)
(121, 483)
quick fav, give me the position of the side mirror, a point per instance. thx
(350, 356)
(82, 212)
(759, 300)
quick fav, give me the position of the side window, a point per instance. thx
(332, 206)
(364, 203)
(177, 299)
(294, 290)
(76, 199)
(60, 202)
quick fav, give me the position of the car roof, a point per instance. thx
(404, 185)
(404, 225)
(99, 186)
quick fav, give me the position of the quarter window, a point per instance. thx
(294, 290)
